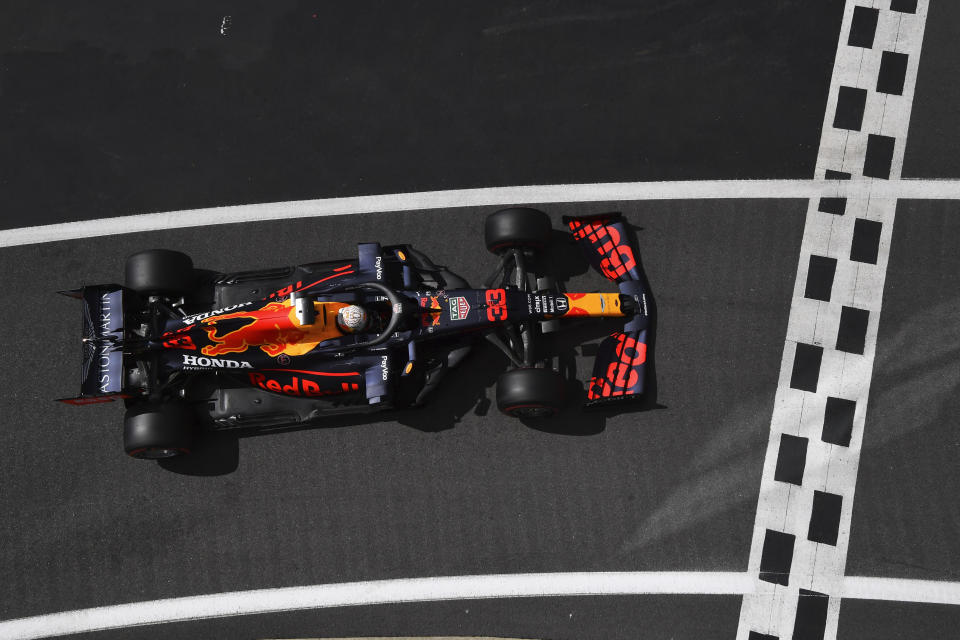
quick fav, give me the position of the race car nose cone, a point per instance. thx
(352, 318)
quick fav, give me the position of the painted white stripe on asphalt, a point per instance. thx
(439, 589)
(493, 196)
(815, 561)
(373, 593)
(901, 590)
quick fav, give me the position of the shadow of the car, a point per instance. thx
(214, 453)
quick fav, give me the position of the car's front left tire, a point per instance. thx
(517, 228)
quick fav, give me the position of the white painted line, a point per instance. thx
(439, 589)
(493, 196)
(901, 590)
(372, 593)
(808, 544)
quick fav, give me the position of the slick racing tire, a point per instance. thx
(520, 228)
(160, 271)
(157, 431)
(530, 393)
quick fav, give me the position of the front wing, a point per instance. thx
(619, 370)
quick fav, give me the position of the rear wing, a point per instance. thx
(101, 367)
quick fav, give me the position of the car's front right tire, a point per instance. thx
(530, 393)
(158, 430)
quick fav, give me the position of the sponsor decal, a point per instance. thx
(299, 386)
(105, 311)
(545, 304)
(459, 308)
(208, 363)
(621, 375)
(384, 367)
(430, 311)
(201, 316)
(496, 305)
(287, 290)
(179, 339)
(104, 372)
(283, 359)
(103, 331)
(274, 329)
(377, 265)
(575, 308)
(616, 256)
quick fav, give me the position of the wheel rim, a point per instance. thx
(532, 411)
(503, 246)
(157, 453)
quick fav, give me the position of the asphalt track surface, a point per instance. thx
(904, 523)
(581, 617)
(935, 123)
(442, 491)
(274, 111)
(150, 109)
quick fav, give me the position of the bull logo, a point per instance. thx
(430, 311)
(273, 328)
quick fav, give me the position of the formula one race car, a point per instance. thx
(185, 348)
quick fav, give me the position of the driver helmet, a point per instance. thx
(352, 318)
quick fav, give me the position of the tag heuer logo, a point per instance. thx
(459, 308)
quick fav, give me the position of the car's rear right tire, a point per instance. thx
(160, 271)
(530, 393)
(157, 431)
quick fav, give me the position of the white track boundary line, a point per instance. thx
(492, 196)
(372, 593)
(901, 590)
(438, 589)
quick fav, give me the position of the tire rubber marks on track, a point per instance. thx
(802, 528)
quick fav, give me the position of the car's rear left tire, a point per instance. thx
(530, 393)
(157, 431)
(160, 271)
(520, 228)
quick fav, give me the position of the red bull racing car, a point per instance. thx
(185, 348)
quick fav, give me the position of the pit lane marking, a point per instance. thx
(439, 589)
(492, 196)
(802, 529)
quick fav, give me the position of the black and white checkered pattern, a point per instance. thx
(803, 519)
